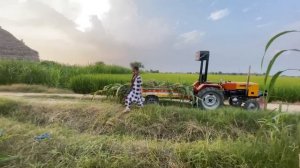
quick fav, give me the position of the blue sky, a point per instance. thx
(246, 15)
(163, 34)
(238, 37)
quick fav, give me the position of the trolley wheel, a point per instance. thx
(151, 99)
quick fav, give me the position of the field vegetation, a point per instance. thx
(95, 134)
(50, 73)
(287, 89)
(92, 78)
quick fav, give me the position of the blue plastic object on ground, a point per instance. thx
(42, 137)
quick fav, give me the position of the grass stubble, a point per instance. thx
(85, 134)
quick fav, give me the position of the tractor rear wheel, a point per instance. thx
(151, 99)
(210, 98)
(251, 105)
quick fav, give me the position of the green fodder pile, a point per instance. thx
(96, 135)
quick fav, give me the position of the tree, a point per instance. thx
(154, 71)
(137, 64)
(100, 63)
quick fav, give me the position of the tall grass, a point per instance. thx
(85, 135)
(50, 73)
(91, 83)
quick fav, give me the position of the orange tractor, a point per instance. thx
(210, 95)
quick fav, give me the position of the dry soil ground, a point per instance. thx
(55, 98)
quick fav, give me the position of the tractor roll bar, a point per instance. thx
(203, 56)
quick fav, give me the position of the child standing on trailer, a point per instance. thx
(135, 95)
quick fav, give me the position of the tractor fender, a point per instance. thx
(206, 85)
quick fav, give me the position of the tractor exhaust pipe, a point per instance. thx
(248, 80)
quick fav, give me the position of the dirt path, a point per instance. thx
(13, 94)
(292, 108)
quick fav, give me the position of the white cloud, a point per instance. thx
(258, 18)
(192, 36)
(78, 11)
(220, 14)
(245, 10)
(119, 37)
(91, 8)
(263, 25)
(189, 38)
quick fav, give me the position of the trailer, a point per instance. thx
(153, 95)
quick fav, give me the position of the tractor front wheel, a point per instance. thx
(251, 105)
(210, 98)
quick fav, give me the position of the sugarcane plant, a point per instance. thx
(269, 84)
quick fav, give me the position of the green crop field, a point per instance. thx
(50, 73)
(286, 89)
(88, 79)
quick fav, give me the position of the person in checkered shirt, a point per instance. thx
(135, 95)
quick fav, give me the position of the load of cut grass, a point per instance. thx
(119, 91)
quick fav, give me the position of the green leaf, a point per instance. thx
(273, 61)
(272, 40)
